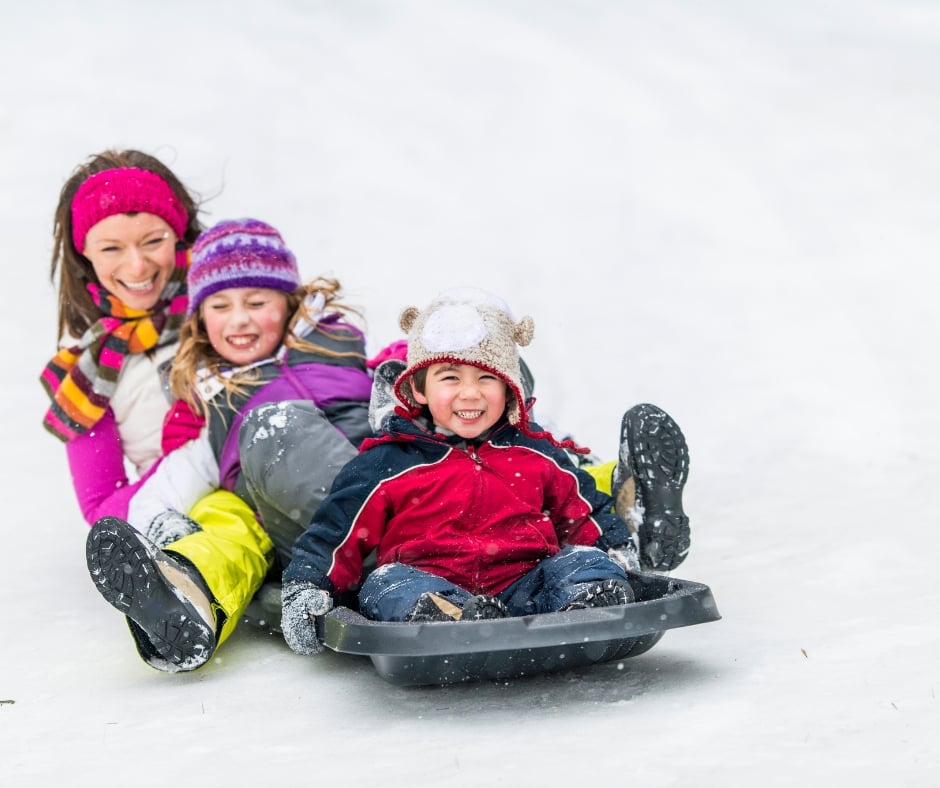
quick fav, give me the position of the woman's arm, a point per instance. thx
(96, 460)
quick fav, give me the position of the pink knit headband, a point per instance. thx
(124, 190)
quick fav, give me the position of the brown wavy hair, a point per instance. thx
(77, 311)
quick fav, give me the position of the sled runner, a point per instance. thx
(448, 653)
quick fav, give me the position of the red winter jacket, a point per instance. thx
(481, 516)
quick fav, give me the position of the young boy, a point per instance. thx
(473, 510)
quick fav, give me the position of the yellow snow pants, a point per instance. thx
(232, 553)
(602, 475)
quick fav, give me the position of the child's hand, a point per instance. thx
(300, 604)
(170, 526)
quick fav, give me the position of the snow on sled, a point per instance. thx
(448, 653)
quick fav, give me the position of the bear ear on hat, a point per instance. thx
(523, 331)
(408, 317)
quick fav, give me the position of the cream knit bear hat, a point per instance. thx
(466, 325)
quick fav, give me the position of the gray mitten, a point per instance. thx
(300, 604)
(169, 526)
(626, 556)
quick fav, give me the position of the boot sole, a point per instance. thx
(126, 573)
(660, 463)
(608, 593)
(483, 607)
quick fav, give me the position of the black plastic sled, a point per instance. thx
(450, 653)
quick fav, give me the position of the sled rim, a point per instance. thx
(674, 603)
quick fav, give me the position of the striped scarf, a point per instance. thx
(81, 379)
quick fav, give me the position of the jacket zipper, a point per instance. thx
(477, 568)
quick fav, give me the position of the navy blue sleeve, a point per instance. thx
(330, 536)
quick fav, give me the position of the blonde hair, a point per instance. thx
(195, 352)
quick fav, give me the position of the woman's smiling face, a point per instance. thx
(133, 256)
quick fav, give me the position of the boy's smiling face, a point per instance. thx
(462, 398)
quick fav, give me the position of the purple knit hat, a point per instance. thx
(240, 253)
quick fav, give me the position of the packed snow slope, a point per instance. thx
(728, 209)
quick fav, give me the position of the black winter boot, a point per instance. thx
(433, 607)
(482, 606)
(169, 608)
(607, 593)
(647, 483)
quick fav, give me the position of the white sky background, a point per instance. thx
(728, 209)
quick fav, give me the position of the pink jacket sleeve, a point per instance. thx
(180, 426)
(96, 461)
(397, 349)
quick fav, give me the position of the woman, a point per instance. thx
(123, 227)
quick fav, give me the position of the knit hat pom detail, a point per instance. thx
(407, 318)
(524, 331)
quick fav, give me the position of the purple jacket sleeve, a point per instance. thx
(96, 461)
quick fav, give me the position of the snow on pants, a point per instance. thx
(290, 454)
(391, 591)
(232, 553)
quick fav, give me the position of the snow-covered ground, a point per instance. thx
(727, 208)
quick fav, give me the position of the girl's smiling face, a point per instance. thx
(245, 324)
(133, 255)
(462, 398)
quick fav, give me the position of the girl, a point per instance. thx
(253, 335)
